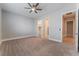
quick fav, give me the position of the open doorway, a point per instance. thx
(69, 28)
(43, 28)
(46, 28)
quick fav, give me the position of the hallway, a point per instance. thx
(69, 40)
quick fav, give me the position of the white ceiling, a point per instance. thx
(19, 8)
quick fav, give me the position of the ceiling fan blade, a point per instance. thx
(36, 11)
(39, 9)
(27, 8)
(29, 4)
(36, 4)
(30, 11)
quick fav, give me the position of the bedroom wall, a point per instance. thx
(55, 22)
(0, 25)
(77, 28)
(14, 25)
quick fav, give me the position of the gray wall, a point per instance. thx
(0, 24)
(14, 25)
(55, 22)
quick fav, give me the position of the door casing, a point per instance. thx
(70, 16)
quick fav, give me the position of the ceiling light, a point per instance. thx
(33, 9)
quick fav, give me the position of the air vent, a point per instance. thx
(69, 13)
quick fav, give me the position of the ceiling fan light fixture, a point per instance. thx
(33, 9)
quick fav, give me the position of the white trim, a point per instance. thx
(0, 25)
(55, 40)
(14, 38)
(76, 36)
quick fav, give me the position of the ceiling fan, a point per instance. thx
(33, 8)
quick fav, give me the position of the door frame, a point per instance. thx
(75, 34)
(47, 30)
(42, 24)
(64, 23)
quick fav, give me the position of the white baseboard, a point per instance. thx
(18, 37)
(26, 37)
(55, 40)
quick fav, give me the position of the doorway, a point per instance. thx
(43, 28)
(46, 28)
(69, 28)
